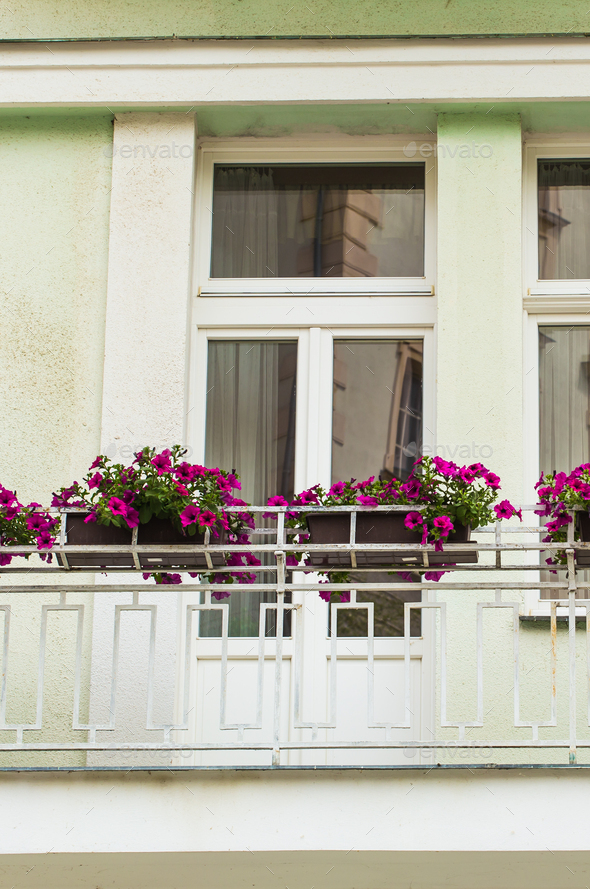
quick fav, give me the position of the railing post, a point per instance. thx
(571, 577)
(276, 751)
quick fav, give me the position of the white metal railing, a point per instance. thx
(290, 721)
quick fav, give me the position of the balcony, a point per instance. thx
(108, 671)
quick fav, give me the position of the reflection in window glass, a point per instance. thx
(377, 408)
(564, 367)
(250, 428)
(564, 403)
(318, 221)
(388, 615)
(564, 219)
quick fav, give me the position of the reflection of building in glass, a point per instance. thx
(343, 219)
(377, 408)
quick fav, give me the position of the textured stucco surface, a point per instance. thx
(54, 181)
(479, 290)
(228, 18)
(148, 281)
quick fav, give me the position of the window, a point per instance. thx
(564, 219)
(253, 411)
(377, 387)
(556, 230)
(342, 217)
(564, 404)
(290, 221)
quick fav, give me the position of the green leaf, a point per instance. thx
(145, 513)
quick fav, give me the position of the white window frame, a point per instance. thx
(534, 605)
(567, 295)
(348, 150)
(313, 434)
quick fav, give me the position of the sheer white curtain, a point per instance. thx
(564, 392)
(245, 224)
(242, 414)
(241, 434)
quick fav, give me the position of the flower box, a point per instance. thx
(156, 531)
(80, 533)
(383, 528)
(162, 531)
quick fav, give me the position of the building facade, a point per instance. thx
(308, 244)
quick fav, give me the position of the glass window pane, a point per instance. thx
(564, 365)
(318, 221)
(377, 408)
(564, 406)
(564, 219)
(250, 428)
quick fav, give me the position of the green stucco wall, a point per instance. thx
(55, 187)
(321, 18)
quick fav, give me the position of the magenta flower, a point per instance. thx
(7, 498)
(170, 578)
(207, 518)
(36, 522)
(277, 500)
(367, 501)
(184, 472)
(292, 561)
(162, 462)
(5, 559)
(182, 490)
(411, 488)
(337, 489)
(12, 511)
(446, 467)
(190, 515)
(433, 575)
(504, 510)
(91, 517)
(413, 520)
(132, 517)
(492, 480)
(117, 506)
(96, 462)
(443, 525)
(223, 484)
(45, 540)
(95, 481)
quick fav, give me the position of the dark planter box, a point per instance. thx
(156, 531)
(92, 534)
(163, 531)
(583, 555)
(379, 527)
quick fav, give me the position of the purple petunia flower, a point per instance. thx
(413, 520)
(117, 506)
(504, 510)
(162, 462)
(443, 525)
(189, 515)
(411, 488)
(95, 481)
(367, 501)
